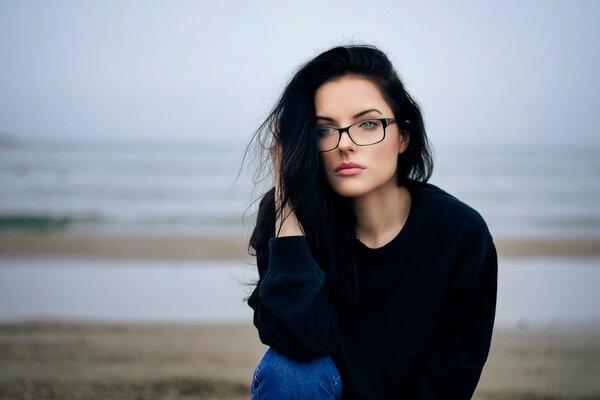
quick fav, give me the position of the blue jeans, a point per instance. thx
(280, 377)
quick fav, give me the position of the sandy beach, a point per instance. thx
(86, 359)
(69, 245)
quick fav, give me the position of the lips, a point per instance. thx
(349, 169)
(350, 165)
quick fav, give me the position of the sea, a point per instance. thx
(201, 189)
(535, 191)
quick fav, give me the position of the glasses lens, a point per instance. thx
(327, 138)
(363, 133)
(367, 132)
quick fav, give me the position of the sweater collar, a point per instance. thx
(392, 249)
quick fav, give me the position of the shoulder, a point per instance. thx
(446, 213)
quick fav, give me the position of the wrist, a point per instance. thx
(288, 224)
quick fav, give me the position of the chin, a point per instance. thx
(358, 186)
(350, 190)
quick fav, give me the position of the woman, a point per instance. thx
(373, 283)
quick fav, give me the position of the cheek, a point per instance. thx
(329, 160)
(328, 164)
(384, 153)
(385, 162)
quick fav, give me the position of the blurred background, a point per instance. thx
(125, 208)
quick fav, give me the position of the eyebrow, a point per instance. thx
(360, 114)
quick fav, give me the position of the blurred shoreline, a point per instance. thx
(122, 247)
(231, 247)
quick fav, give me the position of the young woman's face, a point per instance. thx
(338, 102)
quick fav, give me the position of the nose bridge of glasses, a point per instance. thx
(349, 140)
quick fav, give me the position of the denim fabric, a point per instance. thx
(280, 377)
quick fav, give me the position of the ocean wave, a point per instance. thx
(38, 223)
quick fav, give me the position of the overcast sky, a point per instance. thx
(513, 71)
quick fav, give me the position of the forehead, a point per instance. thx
(347, 96)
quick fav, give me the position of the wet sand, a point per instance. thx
(87, 360)
(69, 245)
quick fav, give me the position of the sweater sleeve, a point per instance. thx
(292, 310)
(461, 344)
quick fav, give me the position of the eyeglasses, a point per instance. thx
(362, 133)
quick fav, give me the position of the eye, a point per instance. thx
(369, 124)
(324, 131)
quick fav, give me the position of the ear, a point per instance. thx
(404, 140)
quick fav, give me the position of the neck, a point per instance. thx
(381, 214)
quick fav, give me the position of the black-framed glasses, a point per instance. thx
(362, 133)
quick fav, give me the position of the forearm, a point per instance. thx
(293, 312)
(287, 224)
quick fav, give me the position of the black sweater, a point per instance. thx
(427, 300)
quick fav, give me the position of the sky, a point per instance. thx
(197, 71)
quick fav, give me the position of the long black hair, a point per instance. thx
(327, 218)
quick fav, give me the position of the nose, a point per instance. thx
(346, 144)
